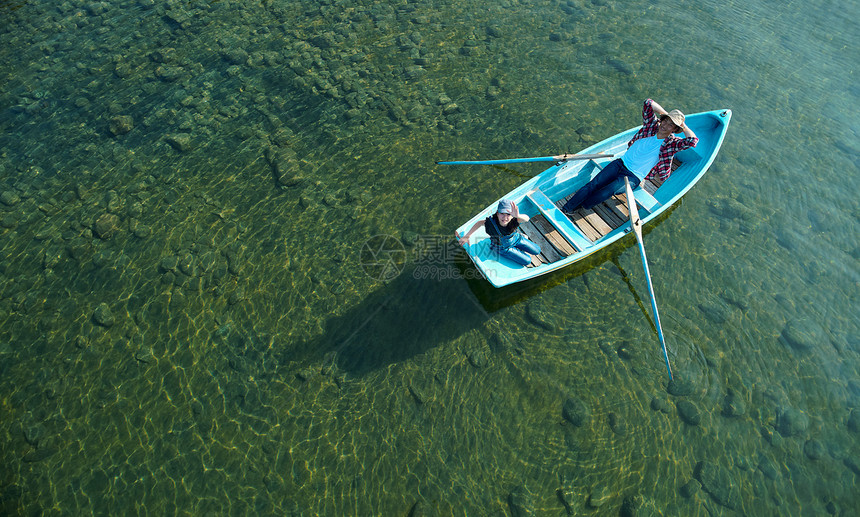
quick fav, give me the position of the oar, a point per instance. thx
(636, 223)
(559, 158)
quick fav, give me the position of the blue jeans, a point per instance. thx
(521, 252)
(608, 182)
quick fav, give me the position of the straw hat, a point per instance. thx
(677, 117)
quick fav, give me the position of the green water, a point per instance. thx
(190, 322)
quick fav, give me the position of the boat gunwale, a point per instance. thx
(722, 117)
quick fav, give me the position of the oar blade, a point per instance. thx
(557, 158)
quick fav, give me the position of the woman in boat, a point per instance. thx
(649, 155)
(507, 241)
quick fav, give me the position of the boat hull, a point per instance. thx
(569, 240)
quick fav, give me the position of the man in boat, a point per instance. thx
(505, 239)
(649, 156)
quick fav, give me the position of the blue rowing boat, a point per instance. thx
(565, 240)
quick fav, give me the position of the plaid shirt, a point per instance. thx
(670, 146)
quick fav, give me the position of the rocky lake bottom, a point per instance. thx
(189, 321)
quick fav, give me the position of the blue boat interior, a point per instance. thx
(566, 239)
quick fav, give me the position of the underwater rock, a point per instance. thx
(177, 16)
(40, 454)
(97, 8)
(413, 72)
(681, 387)
(540, 315)
(771, 436)
(113, 203)
(853, 422)
(9, 198)
(121, 70)
(121, 125)
(105, 226)
(791, 422)
(620, 66)
(718, 483)
(732, 209)
(305, 374)
(768, 468)
(235, 56)
(598, 496)
(733, 405)
(168, 263)
(82, 192)
(236, 296)
(660, 404)
(716, 313)
(179, 141)
(521, 502)
(34, 434)
(567, 494)
(632, 505)
(286, 170)
(418, 510)
(626, 351)
(185, 262)
(691, 488)
(617, 424)
(417, 393)
(852, 464)
(451, 109)
(803, 334)
(688, 412)
(144, 355)
(103, 316)
(813, 449)
(477, 358)
(576, 412)
(169, 73)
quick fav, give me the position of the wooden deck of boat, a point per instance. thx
(593, 223)
(605, 217)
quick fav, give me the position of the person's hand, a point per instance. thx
(462, 240)
(514, 210)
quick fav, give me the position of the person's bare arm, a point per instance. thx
(688, 132)
(658, 110)
(465, 238)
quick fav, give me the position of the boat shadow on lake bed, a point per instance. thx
(405, 317)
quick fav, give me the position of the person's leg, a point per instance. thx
(516, 255)
(602, 194)
(528, 246)
(615, 187)
(603, 178)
